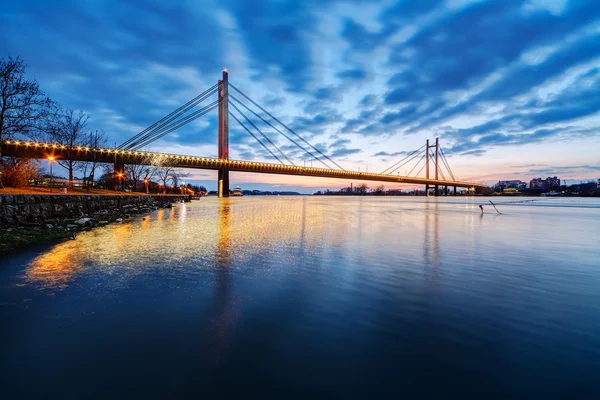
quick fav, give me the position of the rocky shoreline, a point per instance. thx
(31, 219)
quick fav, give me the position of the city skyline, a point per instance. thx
(512, 90)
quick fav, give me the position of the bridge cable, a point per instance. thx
(410, 154)
(179, 124)
(404, 163)
(169, 122)
(171, 127)
(173, 115)
(284, 135)
(259, 131)
(285, 126)
(438, 167)
(447, 164)
(421, 170)
(254, 136)
(167, 116)
(418, 162)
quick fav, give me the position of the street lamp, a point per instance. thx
(51, 158)
(146, 182)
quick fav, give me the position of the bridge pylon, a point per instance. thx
(223, 175)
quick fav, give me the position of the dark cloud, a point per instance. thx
(368, 101)
(356, 74)
(344, 152)
(386, 154)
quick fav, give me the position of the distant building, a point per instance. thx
(598, 184)
(549, 183)
(516, 184)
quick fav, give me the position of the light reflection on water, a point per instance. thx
(311, 292)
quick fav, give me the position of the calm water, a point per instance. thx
(312, 297)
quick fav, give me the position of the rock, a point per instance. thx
(83, 221)
(102, 222)
(49, 226)
(70, 226)
(119, 220)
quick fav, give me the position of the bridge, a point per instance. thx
(129, 152)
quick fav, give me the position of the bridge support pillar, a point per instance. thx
(454, 190)
(223, 179)
(445, 190)
(427, 189)
(436, 190)
(223, 182)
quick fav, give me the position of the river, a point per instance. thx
(304, 297)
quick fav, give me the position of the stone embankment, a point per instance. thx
(27, 218)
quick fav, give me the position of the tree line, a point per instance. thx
(27, 112)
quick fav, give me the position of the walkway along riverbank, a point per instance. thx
(27, 219)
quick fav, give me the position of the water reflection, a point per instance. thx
(431, 245)
(53, 270)
(223, 307)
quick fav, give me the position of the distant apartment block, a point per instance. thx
(549, 183)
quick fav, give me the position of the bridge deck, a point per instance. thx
(20, 148)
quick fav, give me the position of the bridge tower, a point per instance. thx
(437, 166)
(223, 179)
(427, 167)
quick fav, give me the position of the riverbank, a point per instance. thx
(29, 219)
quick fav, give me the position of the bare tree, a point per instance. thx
(148, 168)
(134, 174)
(165, 170)
(96, 139)
(23, 105)
(69, 128)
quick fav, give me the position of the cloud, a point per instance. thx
(356, 74)
(386, 154)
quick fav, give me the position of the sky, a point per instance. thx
(511, 88)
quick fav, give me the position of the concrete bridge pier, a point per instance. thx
(427, 189)
(223, 182)
(446, 190)
(454, 190)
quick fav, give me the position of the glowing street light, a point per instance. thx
(118, 182)
(146, 182)
(50, 159)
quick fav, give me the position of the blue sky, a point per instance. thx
(512, 88)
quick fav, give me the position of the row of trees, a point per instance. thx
(361, 190)
(26, 111)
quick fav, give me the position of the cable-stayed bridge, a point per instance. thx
(129, 152)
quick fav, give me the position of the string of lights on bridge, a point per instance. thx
(46, 150)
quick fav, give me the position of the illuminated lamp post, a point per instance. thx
(118, 181)
(50, 159)
(146, 182)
